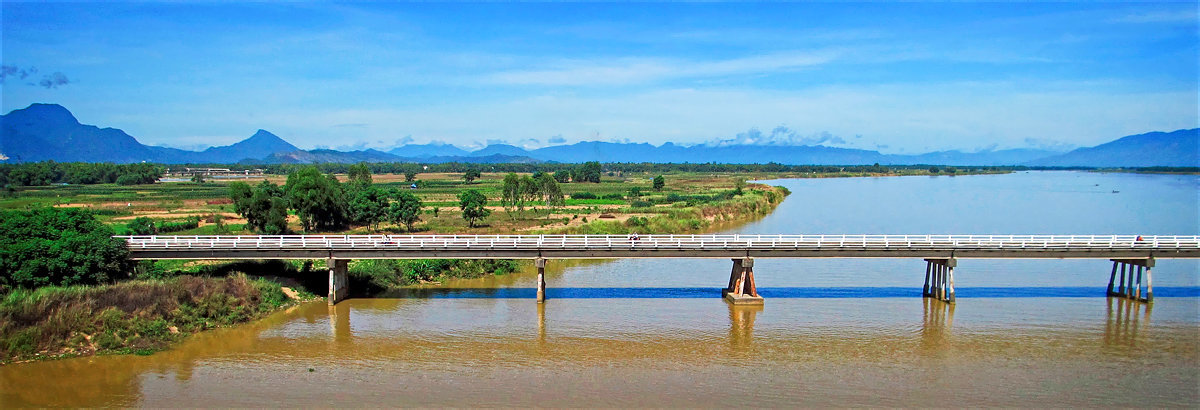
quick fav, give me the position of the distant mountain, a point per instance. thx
(1169, 149)
(50, 132)
(433, 149)
(259, 145)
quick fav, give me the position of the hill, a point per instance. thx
(1169, 149)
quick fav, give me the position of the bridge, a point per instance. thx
(1133, 256)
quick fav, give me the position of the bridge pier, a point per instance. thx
(939, 279)
(339, 286)
(541, 279)
(1130, 287)
(741, 289)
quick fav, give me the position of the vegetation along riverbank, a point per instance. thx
(88, 298)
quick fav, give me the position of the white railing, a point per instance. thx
(649, 242)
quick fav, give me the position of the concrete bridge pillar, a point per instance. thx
(339, 286)
(1131, 286)
(741, 289)
(541, 279)
(939, 279)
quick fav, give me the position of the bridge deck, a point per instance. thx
(660, 246)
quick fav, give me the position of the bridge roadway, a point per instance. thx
(1130, 254)
(659, 246)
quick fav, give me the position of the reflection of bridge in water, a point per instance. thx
(1132, 256)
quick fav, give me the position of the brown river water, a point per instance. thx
(656, 332)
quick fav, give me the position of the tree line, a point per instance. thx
(50, 172)
(322, 203)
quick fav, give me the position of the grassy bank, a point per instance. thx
(137, 316)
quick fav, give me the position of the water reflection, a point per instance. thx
(1125, 318)
(741, 325)
(938, 318)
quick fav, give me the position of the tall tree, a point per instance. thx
(551, 193)
(359, 174)
(474, 206)
(404, 209)
(562, 176)
(318, 199)
(528, 192)
(589, 172)
(659, 183)
(367, 206)
(510, 191)
(263, 206)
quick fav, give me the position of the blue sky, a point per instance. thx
(899, 78)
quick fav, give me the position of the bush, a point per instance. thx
(612, 196)
(642, 204)
(58, 246)
(583, 195)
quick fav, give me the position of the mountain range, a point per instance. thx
(50, 132)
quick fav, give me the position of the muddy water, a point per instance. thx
(656, 333)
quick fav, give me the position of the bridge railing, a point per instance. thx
(699, 242)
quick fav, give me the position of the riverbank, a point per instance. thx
(131, 317)
(753, 201)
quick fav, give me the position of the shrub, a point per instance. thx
(583, 195)
(642, 204)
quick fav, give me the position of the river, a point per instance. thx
(846, 332)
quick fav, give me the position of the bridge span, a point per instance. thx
(1132, 255)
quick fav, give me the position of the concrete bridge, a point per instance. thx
(1132, 256)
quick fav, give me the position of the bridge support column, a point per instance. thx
(939, 279)
(1130, 287)
(339, 286)
(541, 280)
(741, 289)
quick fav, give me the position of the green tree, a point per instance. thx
(589, 172)
(659, 183)
(528, 192)
(58, 246)
(510, 191)
(318, 199)
(359, 174)
(934, 170)
(635, 192)
(562, 176)
(263, 206)
(367, 206)
(198, 178)
(410, 176)
(551, 193)
(471, 175)
(473, 205)
(404, 209)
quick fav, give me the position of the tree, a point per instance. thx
(58, 246)
(367, 206)
(659, 183)
(589, 172)
(410, 176)
(471, 175)
(318, 199)
(739, 187)
(562, 176)
(263, 206)
(510, 191)
(550, 191)
(405, 209)
(473, 205)
(198, 178)
(359, 174)
(635, 192)
(528, 192)
(934, 170)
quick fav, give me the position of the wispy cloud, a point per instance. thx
(643, 70)
(1187, 15)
